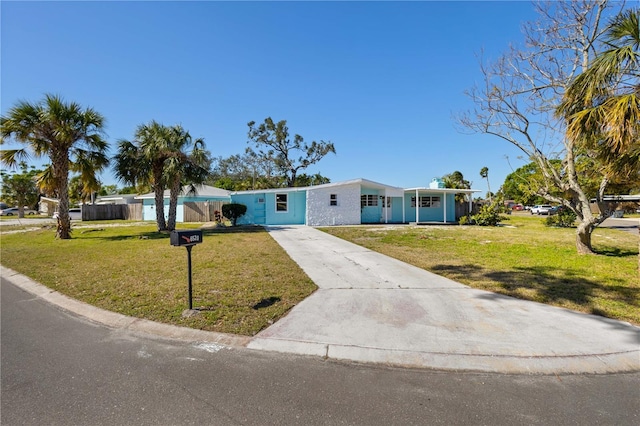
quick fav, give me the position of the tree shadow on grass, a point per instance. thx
(545, 284)
(153, 235)
(265, 303)
(615, 252)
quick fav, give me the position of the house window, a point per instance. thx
(386, 201)
(281, 203)
(368, 200)
(426, 201)
(333, 199)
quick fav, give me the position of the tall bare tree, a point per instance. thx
(522, 89)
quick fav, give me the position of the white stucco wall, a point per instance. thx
(321, 213)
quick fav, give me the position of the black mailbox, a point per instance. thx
(186, 237)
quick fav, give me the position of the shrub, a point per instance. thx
(233, 211)
(489, 214)
(565, 218)
(465, 220)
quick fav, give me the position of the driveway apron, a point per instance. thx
(373, 308)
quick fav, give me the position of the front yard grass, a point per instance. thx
(242, 279)
(523, 259)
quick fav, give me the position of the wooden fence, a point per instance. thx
(112, 211)
(462, 209)
(203, 211)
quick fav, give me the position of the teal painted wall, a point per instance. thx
(255, 208)
(264, 213)
(430, 214)
(371, 214)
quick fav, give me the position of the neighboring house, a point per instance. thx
(617, 204)
(203, 193)
(118, 199)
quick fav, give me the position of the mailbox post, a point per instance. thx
(187, 238)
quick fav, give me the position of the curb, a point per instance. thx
(119, 321)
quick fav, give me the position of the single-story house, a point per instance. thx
(203, 193)
(351, 202)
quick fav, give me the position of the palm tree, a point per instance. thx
(188, 164)
(142, 161)
(602, 106)
(159, 157)
(456, 180)
(70, 136)
(484, 173)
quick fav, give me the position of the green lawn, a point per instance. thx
(242, 279)
(523, 259)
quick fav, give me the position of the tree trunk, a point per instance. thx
(583, 238)
(61, 174)
(159, 198)
(173, 204)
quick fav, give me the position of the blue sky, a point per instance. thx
(383, 81)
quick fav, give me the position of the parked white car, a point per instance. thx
(542, 209)
(74, 214)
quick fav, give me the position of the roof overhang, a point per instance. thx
(442, 190)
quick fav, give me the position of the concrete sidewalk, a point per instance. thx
(372, 308)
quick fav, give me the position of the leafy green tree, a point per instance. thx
(310, 180)
(83, 192)
(163, 158)
(244, 172)
(289, 156)
(70, 136)
(522, 184)
(108, 190)
(20, 189)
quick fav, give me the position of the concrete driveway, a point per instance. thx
(372, 308)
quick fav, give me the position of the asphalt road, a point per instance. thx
(59, 369)
(624, 224)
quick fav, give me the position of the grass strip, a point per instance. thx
(243, 281)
